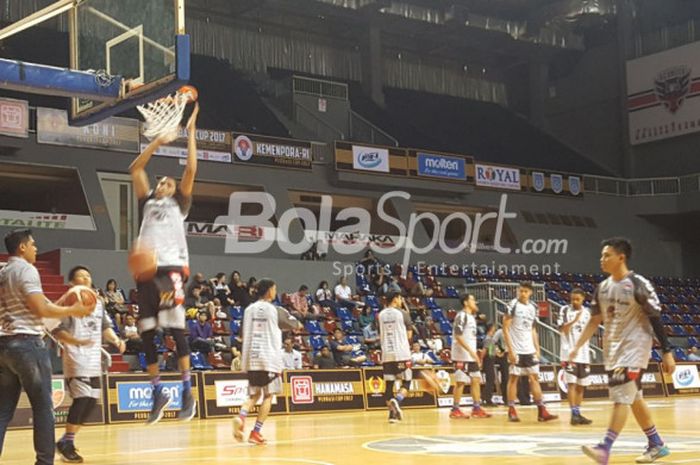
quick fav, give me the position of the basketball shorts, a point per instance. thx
(161, 300)
(464, 371)
(525, 365)
(577, 373)
(264, 382)
(84, 387)
(625, 385)
(398, 370)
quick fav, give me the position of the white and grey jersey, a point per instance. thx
(163, 228)
(568, 314)
(393, 334)
(626, 306)
(263, 323)
(464, 326)
(18, 280)
(85, 361)
(524, 318)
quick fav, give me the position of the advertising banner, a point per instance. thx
(421, 393)
(440, 166)
(225, 391)
(684, 380)
(369, 159)
(211, 145)
(324, 390)
(14, 117)
(254, 149)
(40, 220)
(497, 177)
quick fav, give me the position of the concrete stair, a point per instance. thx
(49, 265)
(119, 365)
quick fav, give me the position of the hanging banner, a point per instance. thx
(370, 159)
(211, 145)
(17, 219)
(440, 166)
(498, 177)
(253, 149)
(14, 117)
(225, 391)
(541, 182)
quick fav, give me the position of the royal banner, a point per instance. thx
(129, 396)
(685, 379)
(652, 383)
(498, 177)
(223, 394)
(253, 149)
(211, 145)
(421, 393)
(119, 134)
(14, 117)
(661, 91)
(62, 401)
(324, 390)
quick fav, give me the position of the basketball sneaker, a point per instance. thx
(189, 407)
(396, 408)
(257, 439)
(513, 415)
(392, 417)
(580, 420)
(68, 452)
(652, 454)
(238, 426)
(544, 415)
(598, 453)
(480, 413)
(161, 400)
(457, 414)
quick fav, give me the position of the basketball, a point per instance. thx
(142, 263)
(82, 294)
(190, 91)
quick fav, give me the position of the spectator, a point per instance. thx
(237, 288)
(236, 358)
(344, 296)
(291, 358)
(114, 301)
(411, 286)
(371, 336)
(195, 302)
(201, 334)
(370, 264)
(221, 289)
(324, 360)
(693, 355)
(324, 296)
(366, 317)
(300, 304)
(130, 333)
(218, 310)
(249, 296)
(391, 284)
(343, 351)
(418, 357)
(205, 287)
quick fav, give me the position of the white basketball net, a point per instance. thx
(164, 115)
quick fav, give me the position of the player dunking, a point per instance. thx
(627, 305)
(263, 323)
(394, 333)
(161, 298)
(523, 351)
(572, 319)
(466, 361)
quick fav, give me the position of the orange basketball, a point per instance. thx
(190, 91)
(84, 294)
(142, 263)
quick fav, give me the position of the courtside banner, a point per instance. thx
(440, 166)
(62, 401)
(370, 159)
(652, 383)
(421, 393)
(211, 145)
(685, 379)
(662, 91)
(446, 380)
(252, 149)
(129, 396)
(324, 390)
(14, 117)
(548, 382)
(223, 394)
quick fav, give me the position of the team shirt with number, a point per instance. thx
(465, 326)
(393, 335)
(628, 336)
(163, 228)
(262, 336)
(524, 318)
(567, 314)
(85, 361)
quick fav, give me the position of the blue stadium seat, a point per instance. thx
(317, 342)
(445, 327)
(687, 319)
(678, 331)
(666, 319)
(235, 326)
(346, 326)
(437, 315)
(679, 354)
(693, 342)
(352, 340)
(142, 361)
(236, 313)
(199, 362)
(343, 313)
(372, 301)
(430, 303)
(452, 292)
(313, 327)
(448, 341)
(655, 355)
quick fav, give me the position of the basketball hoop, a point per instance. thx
(164, 115)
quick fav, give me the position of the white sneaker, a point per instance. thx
(652, 454)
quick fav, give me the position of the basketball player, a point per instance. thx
(466, 361)
(262, 328)
(626, 303)
(161, 298)
(395, 333)
(82, 362)
(572, 319)
(523, 345)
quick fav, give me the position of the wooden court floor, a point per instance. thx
(424, 437)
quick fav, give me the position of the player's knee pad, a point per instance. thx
(79, 410)
(406, 384)
(149, 346)
(181, 345)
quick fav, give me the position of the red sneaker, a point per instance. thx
(257, 439)
(458, 415)
(480, 413)
(513, 415)
(238, 429)
(544, 415)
